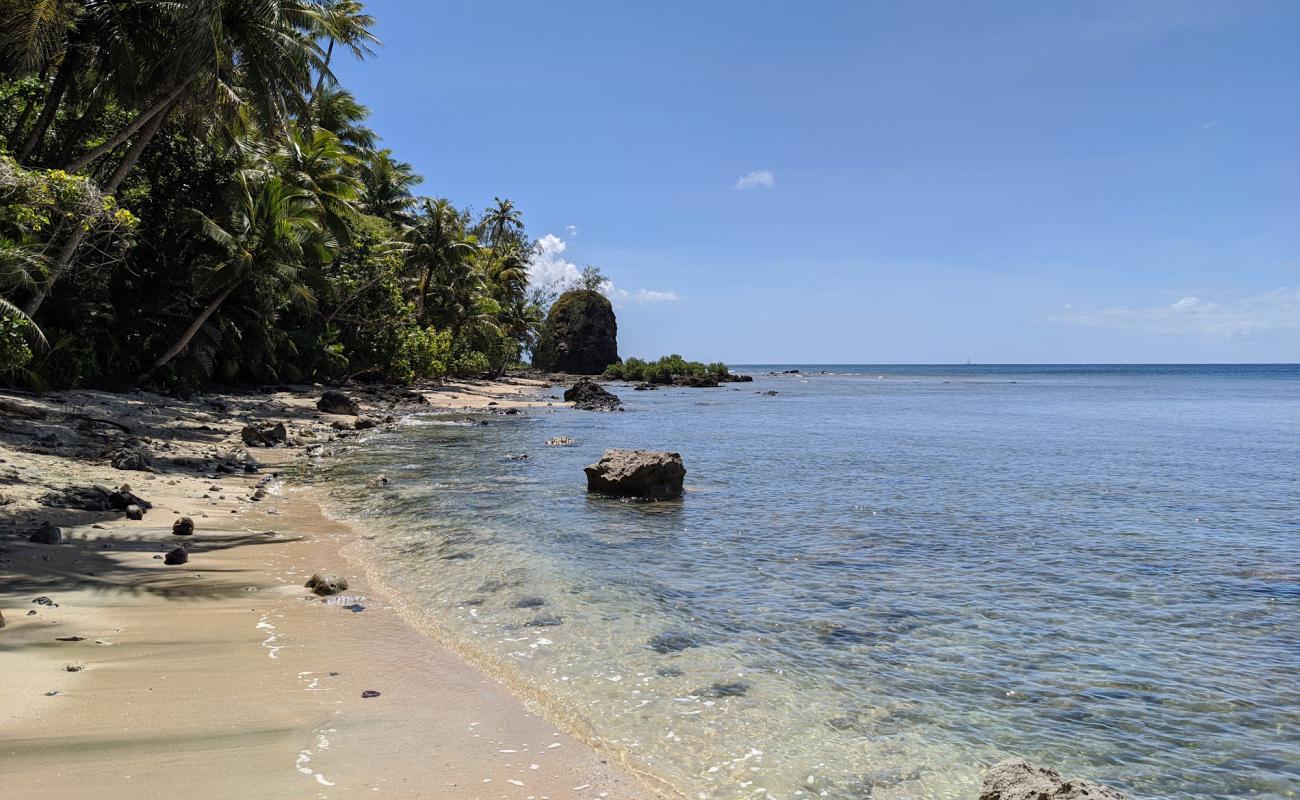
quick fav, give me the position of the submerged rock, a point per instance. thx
(334, 402)
(1018, 779)
(735, 689)
(588, 395)
(48, 534)
(326, 583)
(672, 642)
(648, 474)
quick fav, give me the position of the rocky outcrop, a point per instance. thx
(580, 335)
(265, 435)
(1018, 779)
(326, 583)
(130, 458)
(647, 474)
(333, 402)
(591, 396)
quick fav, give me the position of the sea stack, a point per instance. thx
(580, 335)
(646, 474)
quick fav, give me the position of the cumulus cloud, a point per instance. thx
(651, 296)
(760, 178)
(1269, 312)
(549, 267)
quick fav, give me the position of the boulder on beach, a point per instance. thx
(176, 556)
(326, 583)
(647, 474)
(183, 527)
(134, 511)
(48, 534)
(580, 335)
(1018, 779)
(334, 402)
(591, 396)
(130, 458)
(264, 435)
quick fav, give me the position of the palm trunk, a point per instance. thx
(62, 80)
(74, 137)
(320, 81)
(184, 342)
(137, 148)
(78, 233)
(159, 108)
(13, 138)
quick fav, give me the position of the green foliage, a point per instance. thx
(15, 350)
(248, 228)
(667, 369)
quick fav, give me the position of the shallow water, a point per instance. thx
(883, 579)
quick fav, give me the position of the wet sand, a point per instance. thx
(224, 676)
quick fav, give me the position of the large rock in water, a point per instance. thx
(649, 474)
(591, 396)
(580, 335)
(1018, 779)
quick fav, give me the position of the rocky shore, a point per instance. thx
(157, 638)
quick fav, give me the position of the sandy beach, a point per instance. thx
(223, 676)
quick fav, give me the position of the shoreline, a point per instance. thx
(225, 673)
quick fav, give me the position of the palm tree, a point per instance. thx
(501, 219)
(387, 185)
(273, 233)
(336, 110)
(442, 252)
(345, 22)
(318, 164)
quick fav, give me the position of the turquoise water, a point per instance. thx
(883, 578)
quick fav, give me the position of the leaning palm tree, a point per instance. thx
(344, 22)
(273, 234)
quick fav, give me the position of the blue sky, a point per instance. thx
(879, 182)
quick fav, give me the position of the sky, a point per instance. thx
(877, 182)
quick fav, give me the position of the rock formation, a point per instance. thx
(580, 335)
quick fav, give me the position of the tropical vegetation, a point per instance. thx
(188, 195)
(668, 369)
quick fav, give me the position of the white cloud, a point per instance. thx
(571, 231)
(651, 296)
(1278, 310)
(758, 178)
(549, 267)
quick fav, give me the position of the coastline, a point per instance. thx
(225, 673)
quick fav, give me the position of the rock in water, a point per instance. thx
(177, 556)
(580, 335)
(48, 534)
(591, 396)
(1018, 779)
(649, 474)
(333, 402)
(326, 583)
(183, 526)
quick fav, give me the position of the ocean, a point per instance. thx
(882, 579)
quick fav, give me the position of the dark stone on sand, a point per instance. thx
(588, 395)
(134, 511)
(265, 435)
(1018, 779)
(369, 693)
(48, 534)
(326, 583)
(672, 642)
(647, 474)
(130, 458)
(124, 498)
(176, 556)
(183, 527)
(334, 402)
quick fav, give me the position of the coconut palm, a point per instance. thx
(337, 110)
(344, 22)
(274, 233)
(442, 252)
(501, 219)
(387, 185)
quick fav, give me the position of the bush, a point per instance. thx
(667, 369)
(15, 351)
